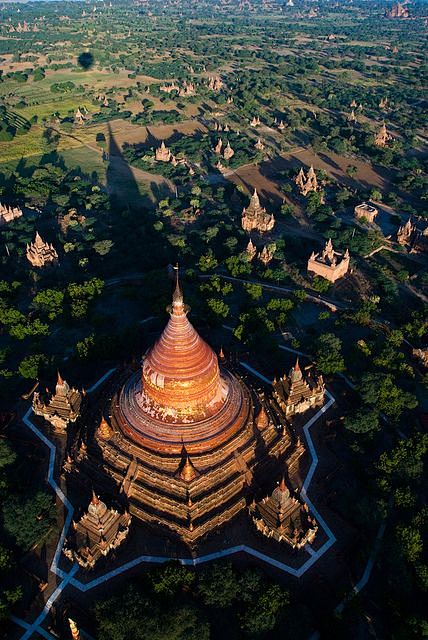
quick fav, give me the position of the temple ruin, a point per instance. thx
(366, 212)
(255, 217)
(296, 392)
(61, 408)
(329, 264)
(40, 253)
(307, 182)
(382, 137)
(96, 533)
(8, 213)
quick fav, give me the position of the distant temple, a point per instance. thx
(259, 145)
(255, 217)
(295, 393)
(421, 355)
(215, 84)
(80, 116)
(414, 239)
(60, 408)
(366, 211)
(250, 251)
(188, 89)
(329, 264)
(307, 183)
(255, 122)
(40, 253)
(267, 253)
(228, 152)
(162, 153)
(382, 137)
(8, 214)
(284, 518)
(169, 88)
(218, 147)
(397, 11)
(99, 531)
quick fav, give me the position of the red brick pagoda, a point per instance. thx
(188, 442)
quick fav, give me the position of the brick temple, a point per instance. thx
(189, 443)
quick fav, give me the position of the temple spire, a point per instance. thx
(177, 296)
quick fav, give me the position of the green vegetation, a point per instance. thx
(176, 603)
(117, 218)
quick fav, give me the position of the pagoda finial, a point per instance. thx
(177, 296)
(282, 485)
(59, 379)
(297, 365)
(94, 499)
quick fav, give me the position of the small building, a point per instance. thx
(329, 264)
(255, 217)
(250, 251)
(382, 137)
(366, 211)
(307, 182)
(421, 355)
(296, 393)
(99, 531)
(266, 254)
(80, 117)
(398, 10)
(40, 253)
(284, 518)
(215, 84)
(162, 153)
(414, 239)
(8, 214)
(60, 408)
(228, 152)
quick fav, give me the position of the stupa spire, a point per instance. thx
(181, 377)
(177, 296)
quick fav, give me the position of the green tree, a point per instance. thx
(29, 367)
(218, 586)
(49, 301)
(171, 579)
(264, 612)
(329, 354)
(363, 422)
(379, 391)
(133, 615)
(218, 307)
(28, 518)
(255, 291)
(208, 261)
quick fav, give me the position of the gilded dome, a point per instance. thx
(181, 376)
